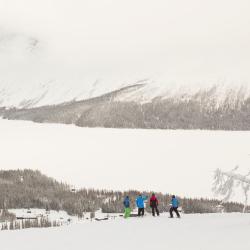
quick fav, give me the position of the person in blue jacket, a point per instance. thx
(140, 204)
(174, 207)
(127, 208)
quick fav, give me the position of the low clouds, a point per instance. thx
(117, 43)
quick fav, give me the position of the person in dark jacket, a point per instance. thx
(154, 205)
(140, 204)
(174, 207)
(127, 208)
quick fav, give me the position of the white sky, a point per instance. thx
(119, 41)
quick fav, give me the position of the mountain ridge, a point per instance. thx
(198, 110)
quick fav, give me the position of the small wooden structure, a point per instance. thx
(220, 208)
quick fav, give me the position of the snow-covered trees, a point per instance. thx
(5, 215)
(204, 109)
(40, 191)
(226, 182)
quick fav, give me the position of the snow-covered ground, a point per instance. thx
(192, 232)
(179, 162)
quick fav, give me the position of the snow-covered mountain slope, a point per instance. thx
(48, 93)
(192, 232)
(54, 92)
(47, 59)
(139, 106)
(217, 93)
(32, 76)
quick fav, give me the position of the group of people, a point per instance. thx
(153, 202)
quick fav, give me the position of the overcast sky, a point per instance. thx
(119, 41)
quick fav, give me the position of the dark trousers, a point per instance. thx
(175, 209)
(140, 211)
(155, 209)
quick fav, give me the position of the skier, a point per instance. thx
(127, 208)
(140, 204)
(174, 207)
(154, 205)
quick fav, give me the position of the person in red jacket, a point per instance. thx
(154, 205)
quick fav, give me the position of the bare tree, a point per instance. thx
(226, 182)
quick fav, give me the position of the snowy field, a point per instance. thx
(192, 232)
(179, 162)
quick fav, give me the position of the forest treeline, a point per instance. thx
(32, 189)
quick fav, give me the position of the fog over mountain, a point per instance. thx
(57, 51)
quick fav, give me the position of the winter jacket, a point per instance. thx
(140, 201)
(126, 202)
(175, 202)
(153, 201)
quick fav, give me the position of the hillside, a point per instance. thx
(31, 189)
(125, 108)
